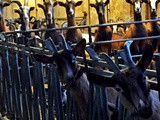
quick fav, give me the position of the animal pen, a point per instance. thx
(31, 89)
(52, 78)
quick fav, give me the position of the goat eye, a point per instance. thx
(118, 88)
(54, 64)
(73, 60)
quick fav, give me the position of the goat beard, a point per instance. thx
(2, 25)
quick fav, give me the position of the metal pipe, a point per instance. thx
(85, 26)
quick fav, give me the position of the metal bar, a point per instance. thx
(153, 84)
(26, 87)
(157, 63)
(36, 77)
(85, 26)
(51, 92)
(42, 94)
(6, 81)
(15, 76)
(58, 97)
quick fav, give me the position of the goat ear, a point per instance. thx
(129, 1)
(145, 1)
(146, 58)
(78, 3)
(93, 5)
(43, 58)
(31, 8)
(5, 4)
(55, 4)
(79, 48)
(107, 2)
(101, 80)
(62, 4)
(41, 6)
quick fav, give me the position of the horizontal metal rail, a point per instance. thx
(85, 26)
(103, 64)
(153, 84)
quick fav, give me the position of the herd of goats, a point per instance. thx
(129, 84)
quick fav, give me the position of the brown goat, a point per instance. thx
(133, 89)
(73, 35)
(48, 9)
(3, 4)
(153, 29)
(103, 33)
(136, 30)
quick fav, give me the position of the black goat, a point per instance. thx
(133, 89)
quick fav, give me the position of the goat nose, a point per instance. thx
(49, 15)
(153, 10)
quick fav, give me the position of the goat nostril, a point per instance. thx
(48, 15)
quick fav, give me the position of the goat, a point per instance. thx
(72, 35)
(70, 74)
(103, 33)
(3, 4)
(67, 70)
(48, 9)
(132, 87)
(153, 28)
(24, 13)
(136, 30)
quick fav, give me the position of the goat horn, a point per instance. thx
(128, 54)
(110, 63)
(26, 2)
(17, 2)
(96, 1)
(67, 1)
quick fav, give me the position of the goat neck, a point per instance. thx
(2, 25)
(137, 16)
(71, 20)
(101, 19)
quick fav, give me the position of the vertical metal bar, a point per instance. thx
(98, 103)
(90, 34)
(15, 76)
(90, 101)
(42, 91)
(58, 99)
(2, 87)
(26, 86)
(6, 80)
(51, 92)
(157, 63)
(104, 101)
(36, 108)
(69, 104)
(89, 12)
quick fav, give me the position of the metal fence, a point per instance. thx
(31, 90)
